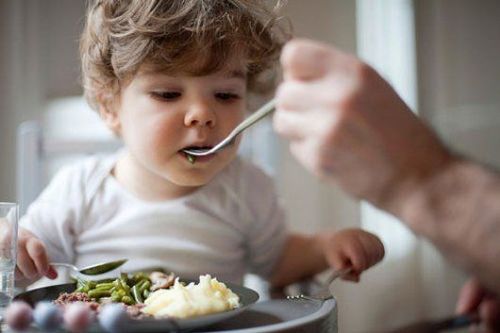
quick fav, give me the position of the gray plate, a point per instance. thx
(247, 298)
(290, 316)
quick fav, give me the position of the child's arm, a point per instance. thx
(305, 256)
(32, 260)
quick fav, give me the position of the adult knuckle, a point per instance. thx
(347, 104)
(363, 71)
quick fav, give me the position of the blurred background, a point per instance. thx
(441, 56)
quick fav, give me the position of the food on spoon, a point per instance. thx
(191, 158)
(179, 301)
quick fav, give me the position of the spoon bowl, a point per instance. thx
(95, 269)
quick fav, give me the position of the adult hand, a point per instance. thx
(346, 124)
(475, 298)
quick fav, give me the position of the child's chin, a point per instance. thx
(193, 181)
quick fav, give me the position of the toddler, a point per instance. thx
(166, 76)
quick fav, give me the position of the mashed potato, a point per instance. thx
(208, 296)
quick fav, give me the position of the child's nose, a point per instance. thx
(200, 115)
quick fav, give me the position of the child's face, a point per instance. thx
(159, 115)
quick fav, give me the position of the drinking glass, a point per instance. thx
(8, 252)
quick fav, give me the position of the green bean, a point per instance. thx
(128, 300)
(98, 293)
(104, 286)
(125, 289)
(145, 286)
(137, 294)
(116, 298)
(139, 276)
(124, 285)
(141, 283)
(124, 278)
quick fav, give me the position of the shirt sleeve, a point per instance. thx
(53, 216)
(267, 230)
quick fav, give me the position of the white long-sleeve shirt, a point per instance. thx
(229, 227)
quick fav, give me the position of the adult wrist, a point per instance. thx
(420, 197)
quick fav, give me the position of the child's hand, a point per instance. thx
(353, 248)
(32, 260)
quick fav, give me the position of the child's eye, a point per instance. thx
(226, 96)
(167, 95)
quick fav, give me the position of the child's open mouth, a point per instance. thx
(192, 159)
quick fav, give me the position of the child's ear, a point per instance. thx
(108, 110)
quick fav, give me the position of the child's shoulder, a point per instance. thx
(88, 168)
(83, 175)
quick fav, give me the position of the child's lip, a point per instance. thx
(201, 146)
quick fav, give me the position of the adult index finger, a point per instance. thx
(308, 60)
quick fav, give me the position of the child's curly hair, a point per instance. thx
(193, 36)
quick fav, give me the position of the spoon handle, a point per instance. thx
(255, 117)
(252, 119)
(63, 264)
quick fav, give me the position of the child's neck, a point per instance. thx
(145, 184)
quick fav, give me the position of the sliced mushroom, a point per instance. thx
(161, 280)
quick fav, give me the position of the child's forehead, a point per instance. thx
(234, 64)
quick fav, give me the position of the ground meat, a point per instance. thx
(68, 298)
(134, 311)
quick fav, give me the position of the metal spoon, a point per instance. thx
(252, 119)
(95, 269)
(324, 293)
